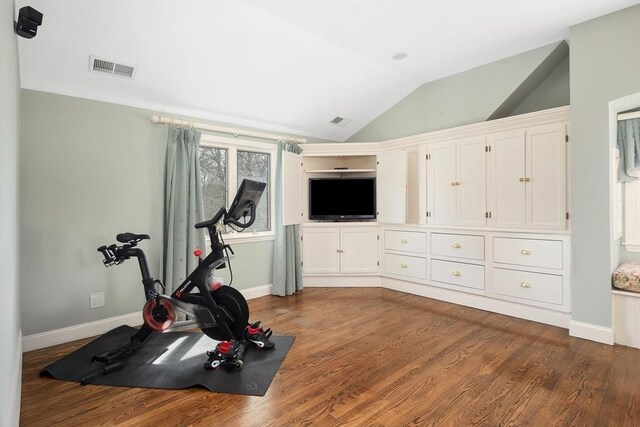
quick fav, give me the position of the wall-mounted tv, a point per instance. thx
(342, 199)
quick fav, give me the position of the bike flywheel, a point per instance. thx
(159, 317)
(235, 307)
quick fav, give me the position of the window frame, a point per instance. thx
(233, 145)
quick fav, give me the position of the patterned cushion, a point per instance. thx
(627, 277)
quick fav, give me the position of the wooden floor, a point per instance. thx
(375, 357)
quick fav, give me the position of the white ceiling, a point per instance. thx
(286, 66)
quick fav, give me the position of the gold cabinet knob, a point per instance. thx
(404, 241)
(453, 184)
(525, 252)
(521, 180)
(456, 245)
(339, 251)
(526, 285)
(404, 265)
(527, 179)
(456, 273)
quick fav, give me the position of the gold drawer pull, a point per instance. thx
(404, 241)
(526, 285)
(525, 252)
(456, 245)
(404, 265)
(456, 273)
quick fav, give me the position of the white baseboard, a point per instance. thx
(91, 329)
(10, 414)
(591, 332)
(77, 332)
(508, 308)
(256, 291)
(342, 281)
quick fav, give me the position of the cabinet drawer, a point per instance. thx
(527, 285)
(457, 273)
(405, 266)
(528, 252)
(457, 245)
(406, 241)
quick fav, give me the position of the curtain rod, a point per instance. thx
(172, 121)
(627, 116)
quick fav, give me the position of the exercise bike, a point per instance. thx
(221, 312)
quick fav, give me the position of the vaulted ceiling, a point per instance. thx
(286, 66)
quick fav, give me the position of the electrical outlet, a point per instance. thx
(97, 300)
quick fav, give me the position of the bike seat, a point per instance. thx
(128, 237)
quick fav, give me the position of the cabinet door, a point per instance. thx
(441, 183)
(359, 250)
(546, 177)
(391, 186)
(506, 172)
(320, 250)
(291, 188)
(471, 188)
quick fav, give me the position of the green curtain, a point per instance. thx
(629, 146)
(287, 271)
(182, 206)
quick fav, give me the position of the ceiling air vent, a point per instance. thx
(110, 67)
(340, 121)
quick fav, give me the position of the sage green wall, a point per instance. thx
(464, 98)
(605, 65)
(552, 92)
(89, 170)
(10, 342)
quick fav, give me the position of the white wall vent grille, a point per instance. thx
(110, 67)
(340, 121)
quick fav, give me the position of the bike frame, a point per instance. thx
(184, 300)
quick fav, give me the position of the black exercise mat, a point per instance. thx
(173, 360)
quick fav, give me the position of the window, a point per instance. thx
(224, 163)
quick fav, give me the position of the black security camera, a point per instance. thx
(28, 22)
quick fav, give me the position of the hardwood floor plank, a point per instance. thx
(375, 357)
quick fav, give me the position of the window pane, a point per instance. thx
(255, 166)
(213, 171)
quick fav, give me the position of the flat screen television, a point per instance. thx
(342, 199)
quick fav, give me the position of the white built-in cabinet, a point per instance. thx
(476, 215)
(527, 178)
(391, 186)
(389, 167)
(456, 182)
(340, 249)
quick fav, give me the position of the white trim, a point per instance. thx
(627, 116)
(246, 237)
(77, 332)
(342, 281)
(91, 329)
(551, 115)
(256, 291)
(591, 332)
(12, 415)
(625, 293)
(536, 314)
